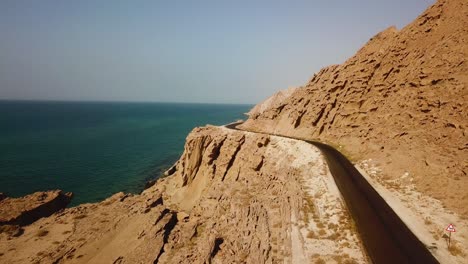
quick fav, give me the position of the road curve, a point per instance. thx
(386, 238)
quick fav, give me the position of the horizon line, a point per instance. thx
(114, 101)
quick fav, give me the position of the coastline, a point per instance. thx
(95, 150)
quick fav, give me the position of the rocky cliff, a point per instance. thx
(397, 108)
(400, 101)
(232, 197)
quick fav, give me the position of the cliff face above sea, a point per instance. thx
(397, 109)
(232, 197)
(400, 101)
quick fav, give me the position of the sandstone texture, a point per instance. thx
(25, 210)
(397, 109)
(233, 197)
(400, 101)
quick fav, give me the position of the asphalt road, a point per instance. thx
(384, 235)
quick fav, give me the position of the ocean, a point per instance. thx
(95, 149)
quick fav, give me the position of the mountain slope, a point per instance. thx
(400, 101)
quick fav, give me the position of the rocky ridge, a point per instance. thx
(232, 197)
(18, 212)
(399, 101)
(240, 197)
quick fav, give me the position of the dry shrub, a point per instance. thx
(335, 236)
(322, 232)
(81, 216)
(455, 250)
(427, 221)
(42, 232)
(320, 261)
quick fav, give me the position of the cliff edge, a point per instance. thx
(397, 109)
(232, 197)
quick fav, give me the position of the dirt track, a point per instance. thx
(386, 238)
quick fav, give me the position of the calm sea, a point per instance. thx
(96, 149)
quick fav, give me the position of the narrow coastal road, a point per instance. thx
(386, 238)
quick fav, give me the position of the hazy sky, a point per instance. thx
(181, 51)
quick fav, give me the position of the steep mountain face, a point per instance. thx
(401, 101)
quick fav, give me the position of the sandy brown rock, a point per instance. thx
(25, 210)
(400, 101)
(239, 197)
(232, 197)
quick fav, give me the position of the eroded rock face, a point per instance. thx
(400, 101)
(25, 210)
(249, 198)
(232, 197)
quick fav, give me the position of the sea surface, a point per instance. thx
(95, 149)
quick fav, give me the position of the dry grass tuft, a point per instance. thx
(308, 207)
(335, 236)
(455, 250)
(320, 225)
(42, 232)
(320, 261)
(322, 232)
(427, 221)
(311, 234)
(81, 216)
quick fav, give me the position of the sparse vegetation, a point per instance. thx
(427, 221)
(322, 232)
(81, 216)
(42, 232)
(347, 222)
(308, 207)
(344, 258)
(319, 194)
(455, 250)
(320, 261)
(277, 225)
(335, 236)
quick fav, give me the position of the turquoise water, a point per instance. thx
(95, 149)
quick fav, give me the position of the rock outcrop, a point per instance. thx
(26, 210)
(241, 197)
(400, 101)
(232, 197)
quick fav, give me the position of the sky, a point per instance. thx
(181, 51)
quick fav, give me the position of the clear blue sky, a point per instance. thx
(181, 51)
